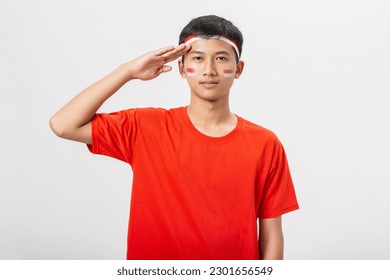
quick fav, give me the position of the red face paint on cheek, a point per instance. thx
(228, 73)
(190, 72)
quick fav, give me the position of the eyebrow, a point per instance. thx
(218, 53)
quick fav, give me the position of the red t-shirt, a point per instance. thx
(195, 196)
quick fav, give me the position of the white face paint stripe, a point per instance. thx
(193, 38)
(228, 73)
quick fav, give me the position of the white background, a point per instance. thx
(317, 74)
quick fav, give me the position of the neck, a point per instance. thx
(212, 118)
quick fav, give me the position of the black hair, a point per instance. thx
(212, 25)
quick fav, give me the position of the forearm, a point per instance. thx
(83, 107)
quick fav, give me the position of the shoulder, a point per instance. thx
(155, 114)
(258, 131)
(146, 113)
(155, 111)
(261, 138)
(148, 117)
(264, 140)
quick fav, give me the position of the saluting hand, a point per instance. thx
(152, 64)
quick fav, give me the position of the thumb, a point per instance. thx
(165, 68)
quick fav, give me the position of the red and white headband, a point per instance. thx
(192, 38)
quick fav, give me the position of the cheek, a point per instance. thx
(190, 71)
(227, 73)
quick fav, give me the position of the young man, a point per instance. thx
(202, 176)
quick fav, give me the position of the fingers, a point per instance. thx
(171, 53)
(176, 52)
(162, 51)
(165, 68)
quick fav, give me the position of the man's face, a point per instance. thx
(210, 68)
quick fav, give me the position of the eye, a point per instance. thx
(197, 58)
(221, 58)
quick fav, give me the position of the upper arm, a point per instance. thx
(84, 133)
(271, 226)
(271, 242)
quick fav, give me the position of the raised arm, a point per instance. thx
(271, 243)
(73, 121)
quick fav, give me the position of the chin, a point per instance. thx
(209, 97)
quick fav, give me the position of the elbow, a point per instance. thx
(63, 129)
(56, 127)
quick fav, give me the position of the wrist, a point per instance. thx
(126, 70)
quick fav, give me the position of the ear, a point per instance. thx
(180, 64)
(239, 69)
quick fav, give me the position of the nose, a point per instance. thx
(209, 68)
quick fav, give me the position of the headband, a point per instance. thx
(192, 38)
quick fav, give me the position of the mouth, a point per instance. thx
(208, 84)
(211, 82)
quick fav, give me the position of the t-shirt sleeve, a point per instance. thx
(278, 195)
(114, 134)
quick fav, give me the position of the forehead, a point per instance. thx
(211, 46)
